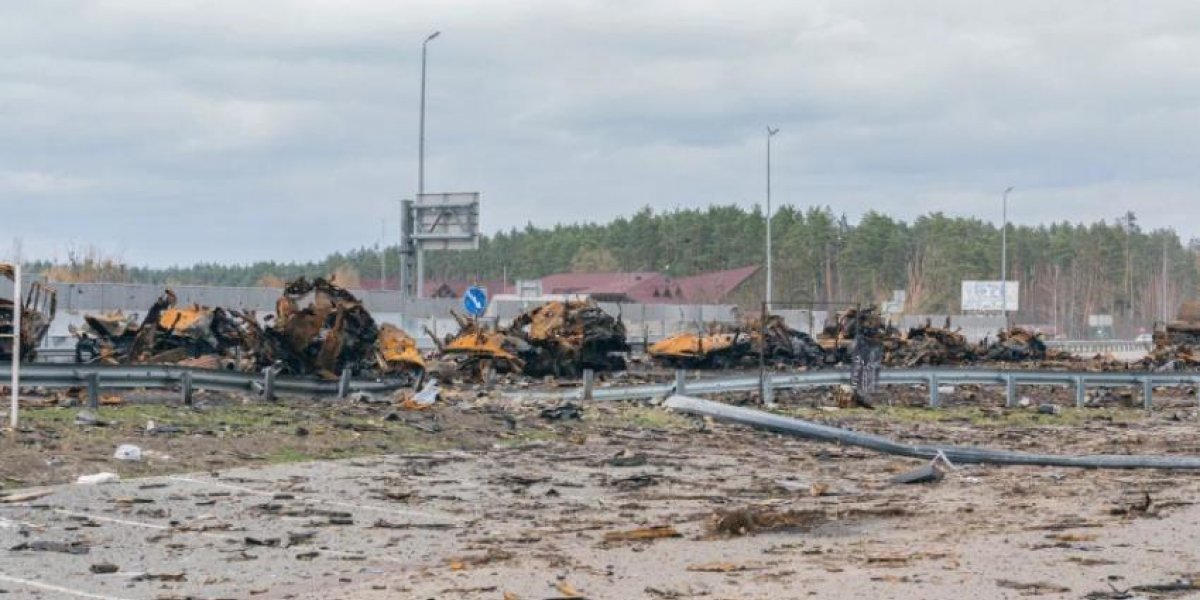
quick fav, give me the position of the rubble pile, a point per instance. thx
(1177, 343)
(318, 329)
(784, 345)
(929, 345)
(557, 338)
(839, 336)
(1016, 345)
(37, 310)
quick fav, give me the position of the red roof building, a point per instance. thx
(649, 287)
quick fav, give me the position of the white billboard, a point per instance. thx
(447, 221)
(985, 296)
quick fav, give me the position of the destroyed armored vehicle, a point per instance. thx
(37, 311)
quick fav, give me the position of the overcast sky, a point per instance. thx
(172, 132)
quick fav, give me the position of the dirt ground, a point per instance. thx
(486, 497)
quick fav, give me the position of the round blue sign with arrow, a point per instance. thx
(475, 300)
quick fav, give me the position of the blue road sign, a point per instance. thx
(475, 301)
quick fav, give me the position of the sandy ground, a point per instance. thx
(531, 508)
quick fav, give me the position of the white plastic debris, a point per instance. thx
(128, 452)
(428, 394)
(98, 478)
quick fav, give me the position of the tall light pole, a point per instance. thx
(421, 161)
(770, 274)
(382, 254)
(1004, 260)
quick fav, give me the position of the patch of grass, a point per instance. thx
(289, 454)
(640, 416)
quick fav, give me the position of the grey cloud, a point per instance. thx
(126, 122)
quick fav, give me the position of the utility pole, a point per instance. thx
(382, 254)
(18, 302)
(770, 274)
(1166, 239)
(421, 162)
(1004, 260)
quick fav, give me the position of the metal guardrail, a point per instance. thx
(269, 383)
(124, 377)
(932, 379)
(1099, 346)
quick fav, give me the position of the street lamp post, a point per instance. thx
(1004, 259)
(770, 274)
(421, 161)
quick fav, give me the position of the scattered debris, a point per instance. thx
(627, 458)
(98, 478)
(562, 412)
(1017, 345)
(128, 452)
(644, 534)
(1033, 589)
(24, 496)
(722, 567)
(749, 521)
(45, 546)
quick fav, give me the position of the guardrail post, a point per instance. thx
(344, 384)
(934, 399)
(589, 382)
(1010, 391)
(768, 389)
(269, 384)
(681, 382)
(1147, 393)
(93, 390)
(1080, 392)
(185, 387)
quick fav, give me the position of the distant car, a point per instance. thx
(1144, 338)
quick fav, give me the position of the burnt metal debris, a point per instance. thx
(1177, 343)
(720, 347)
(726, 347)
(37, 310)
(318, 329)
(559, 338)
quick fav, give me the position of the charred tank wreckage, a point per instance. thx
(38, 307)
(559, 338)
(318, 328)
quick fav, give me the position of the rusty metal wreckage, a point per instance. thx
(318, 329)
(38, 307)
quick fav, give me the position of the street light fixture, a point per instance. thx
(1004, 259)
(770, 134)
(421, 159)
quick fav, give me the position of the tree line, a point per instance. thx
(1066, 271)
